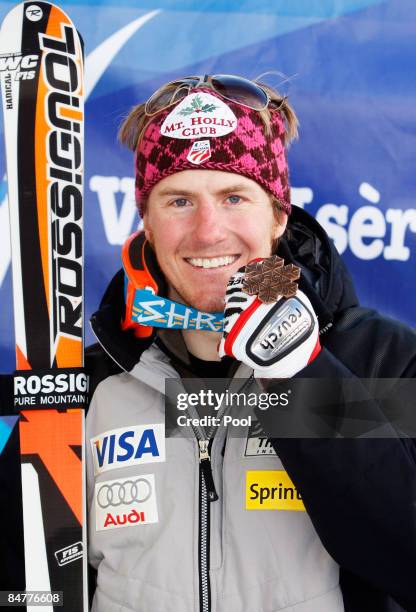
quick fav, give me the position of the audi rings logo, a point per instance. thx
(126, 492)
(125, 502)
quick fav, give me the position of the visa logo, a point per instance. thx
(128, 446)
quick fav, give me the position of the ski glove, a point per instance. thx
(276, 339)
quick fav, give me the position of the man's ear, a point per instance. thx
(281, 218)
(146, 227)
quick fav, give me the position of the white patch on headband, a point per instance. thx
(199, 114)
(200, 152)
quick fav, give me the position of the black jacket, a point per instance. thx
(359, 492)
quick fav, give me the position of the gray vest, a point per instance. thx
(160, 546)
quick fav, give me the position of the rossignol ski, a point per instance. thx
(41, 73)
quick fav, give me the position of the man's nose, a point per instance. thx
(209, 225)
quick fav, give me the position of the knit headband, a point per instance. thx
(207, 132)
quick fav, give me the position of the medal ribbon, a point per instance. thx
(157, 311)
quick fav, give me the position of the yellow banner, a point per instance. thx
(271, 490)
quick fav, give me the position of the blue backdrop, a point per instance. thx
(352, 65)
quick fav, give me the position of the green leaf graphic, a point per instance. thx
(208, 108)
(196, 107)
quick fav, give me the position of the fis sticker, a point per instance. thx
(271, 490)
(69, 553)
(128, 446)
(126, 502)
(199, 114)
(200, 152)
(257, 443)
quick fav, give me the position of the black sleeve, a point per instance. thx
(360, 492)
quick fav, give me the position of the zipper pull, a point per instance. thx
(205, 462)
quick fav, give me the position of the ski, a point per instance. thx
(41, 74)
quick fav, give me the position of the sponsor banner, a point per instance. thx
(64, 388)
(199, 114)
(69, 554)
(271, 490)
(126, 502)
(128, 446)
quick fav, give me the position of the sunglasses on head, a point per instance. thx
(233, 88)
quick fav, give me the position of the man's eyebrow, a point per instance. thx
(171, 191)
(175, 192)
(233, 188)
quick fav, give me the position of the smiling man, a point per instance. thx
(205, 225)
(213, 522)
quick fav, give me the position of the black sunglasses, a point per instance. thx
(233, 88)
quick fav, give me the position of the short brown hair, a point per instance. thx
(135, 124)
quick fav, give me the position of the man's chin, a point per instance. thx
(207, 304)
(204, 303)
(204, 298)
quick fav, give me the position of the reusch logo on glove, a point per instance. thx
(283, 327)
(288, 325)
(128, 446)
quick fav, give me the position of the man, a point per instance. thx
(170, 525)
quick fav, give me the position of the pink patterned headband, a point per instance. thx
(207, 132)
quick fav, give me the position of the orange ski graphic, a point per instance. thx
(51, 434)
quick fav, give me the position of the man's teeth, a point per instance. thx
(214, 262)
